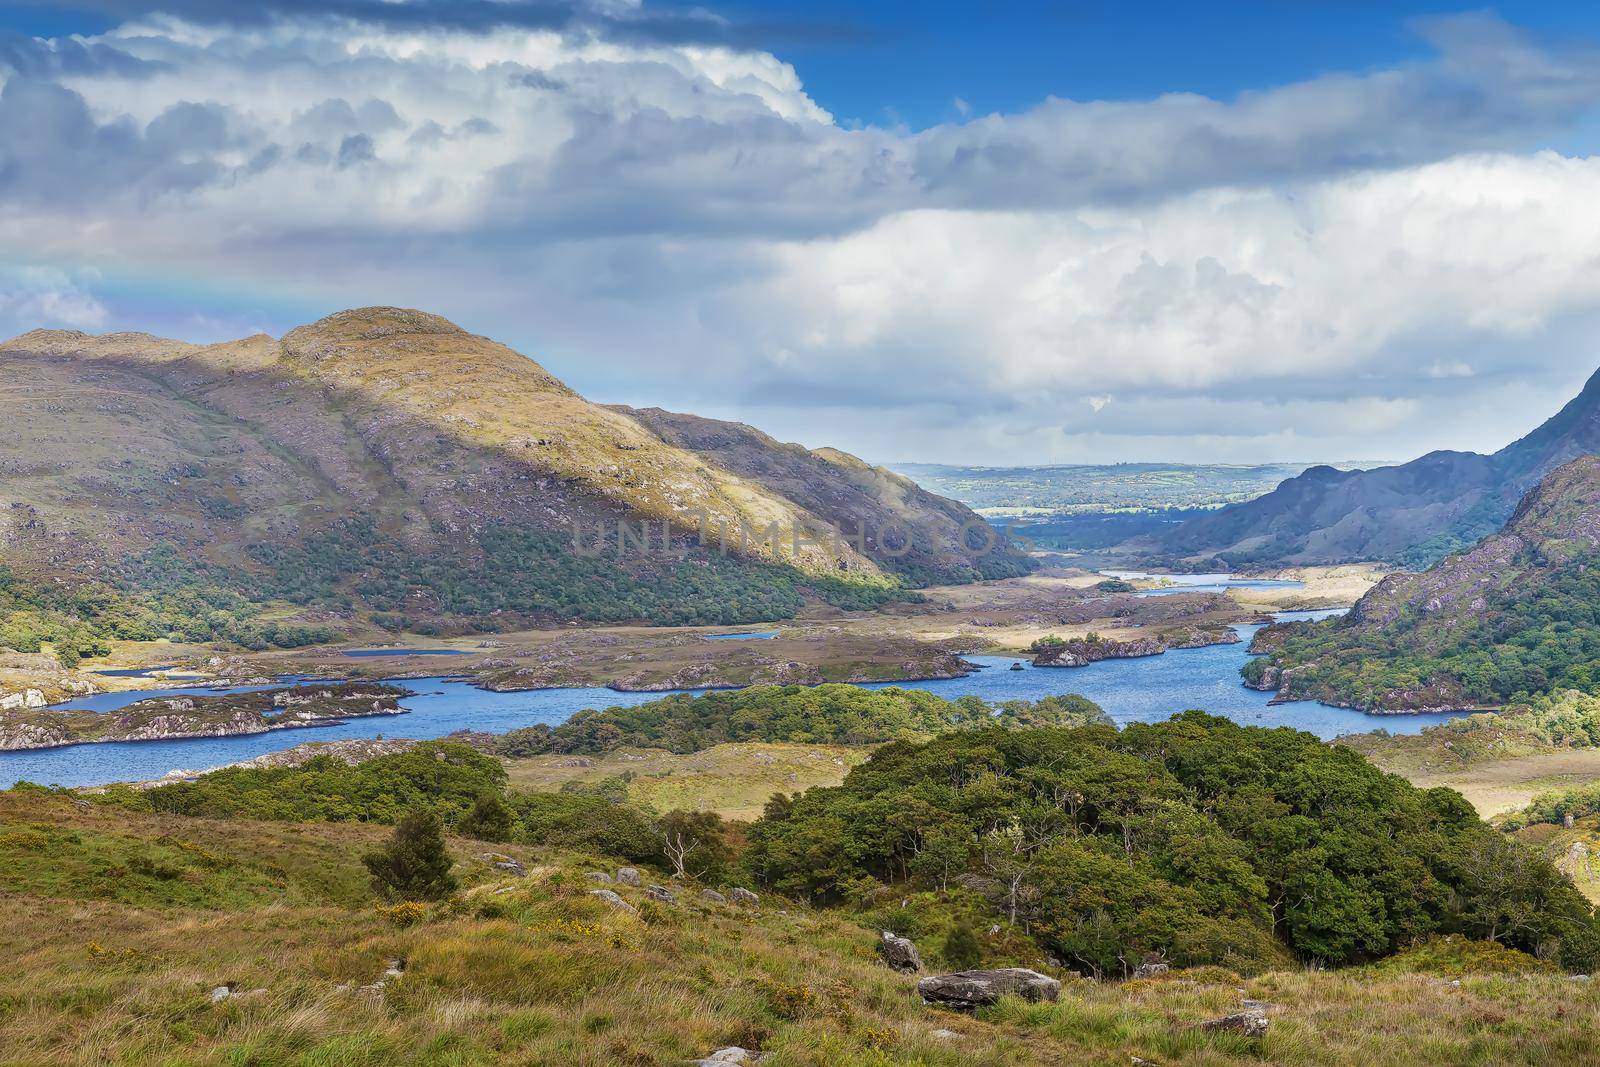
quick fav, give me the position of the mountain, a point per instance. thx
(385, 460)
(1517, 615)
(1409, 514)
(843, 491)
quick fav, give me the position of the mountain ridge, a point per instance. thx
(1408, 514)
(389, 449)
(1516, 615)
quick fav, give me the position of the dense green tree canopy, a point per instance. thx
(1196, 838)
(823, 714)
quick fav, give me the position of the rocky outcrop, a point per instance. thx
(1249, 1023)
(968, 990)
(1082, 651)
(609, 896)
(629, 876)
(743, 897)
(171, 718)
(900, 953)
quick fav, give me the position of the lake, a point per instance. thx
(1131, 690)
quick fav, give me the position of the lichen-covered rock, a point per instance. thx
(661, 893)
(981, 988)
(628, 876)
(1251, 1023)
(711, 896)
(609, 897)
(743, 897)
(900, 953)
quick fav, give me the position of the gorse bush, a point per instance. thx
(1196, 838)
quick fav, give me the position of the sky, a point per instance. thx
(994, 233)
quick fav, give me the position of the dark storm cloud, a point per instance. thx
(53, 150)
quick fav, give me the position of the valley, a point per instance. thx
(369, 600)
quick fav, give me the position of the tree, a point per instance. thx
(962, 950)
(692, 840)
(413, 864)
(489, 819)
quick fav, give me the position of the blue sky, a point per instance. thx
(995, 232)
(910, 61)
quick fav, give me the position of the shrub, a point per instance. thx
(414, 864)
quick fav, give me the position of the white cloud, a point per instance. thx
(32, 297)
(682, 223)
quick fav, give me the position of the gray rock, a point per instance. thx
(513, 868)
(615, 901)
(742, 896)
(900, 953)
(1153, 969)
(711, 896)
(221, 993)
(628, 876)
(661, 893)
(599, 876)
(394, 969)
(944, 1035)
(731, 1055)
(980, 988)
(1246, 1023)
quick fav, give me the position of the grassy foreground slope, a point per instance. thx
(232, 920)
(121, 924)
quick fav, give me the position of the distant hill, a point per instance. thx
(1075, 487)
(385, 460)
(1517, 615)
(1409, 514)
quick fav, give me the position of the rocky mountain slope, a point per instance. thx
(845, 492)
(386, 459)
(1518, 614)
(1409, 514)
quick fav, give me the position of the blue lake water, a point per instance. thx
(1131, 690)
(765, 635)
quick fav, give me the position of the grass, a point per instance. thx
(537, 971)
(733, 780)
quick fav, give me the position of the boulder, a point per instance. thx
(900, 953)
(742, 896)
(1246, 1023)
(512, 867)
(980, 988)
(599, 876)
(661, 893)
(221, 993)
(628, 876)
(711, 896)
(1150, 969)
(724, 1057)
(611, 898)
